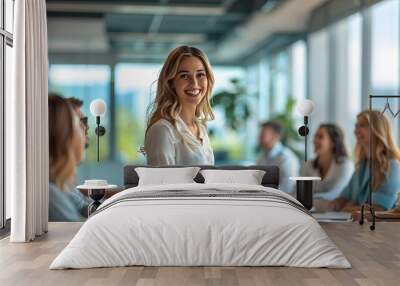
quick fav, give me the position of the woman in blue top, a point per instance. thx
(66, 147)
(385, 166)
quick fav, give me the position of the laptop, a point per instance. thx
(332, 216)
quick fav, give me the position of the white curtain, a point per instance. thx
(27, 173)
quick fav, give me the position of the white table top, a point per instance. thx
(89, 187)
(305, 178)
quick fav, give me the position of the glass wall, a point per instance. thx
(298, 59)
(227, 142)
(336, 65)
(385, 47)
(135, 87)
(385, 51)
(328, 68)
(276, 79)
(282, 76)
(335, 75)
(319, 77)
(255, 75)
(85, 82)
(346, 86)
(280, 80)
(354, 53)
(264, 105)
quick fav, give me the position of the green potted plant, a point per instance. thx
(235, 104)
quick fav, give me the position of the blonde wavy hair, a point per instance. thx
(383, 146)
(62, 129)
(166, 104)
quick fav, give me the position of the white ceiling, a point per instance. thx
(292, 16)
(77, 35)
(148, 38)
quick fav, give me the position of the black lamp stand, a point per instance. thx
(304, 193)
(96, 195)
(100, 131)
(303, 131)
(304, 187)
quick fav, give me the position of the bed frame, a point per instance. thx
(270, 179)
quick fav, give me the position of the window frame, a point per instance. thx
(6, 39)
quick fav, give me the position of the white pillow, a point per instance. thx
(249, 177)
(164, 176)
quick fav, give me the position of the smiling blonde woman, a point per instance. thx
(176, 131)
(385, 157)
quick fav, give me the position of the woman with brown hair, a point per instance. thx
(385, 166)
(176, 131)
(66, 144)
(331, 164)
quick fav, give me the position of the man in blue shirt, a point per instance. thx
(274, 153)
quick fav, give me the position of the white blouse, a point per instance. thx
(166, 144)
(335, 180)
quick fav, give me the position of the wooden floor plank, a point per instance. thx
(375, 258)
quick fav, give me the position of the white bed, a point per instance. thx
(225, 225)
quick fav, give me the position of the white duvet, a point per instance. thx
(200, 231)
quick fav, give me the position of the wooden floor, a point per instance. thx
(375, 257)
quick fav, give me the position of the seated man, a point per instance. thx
(274, 153)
